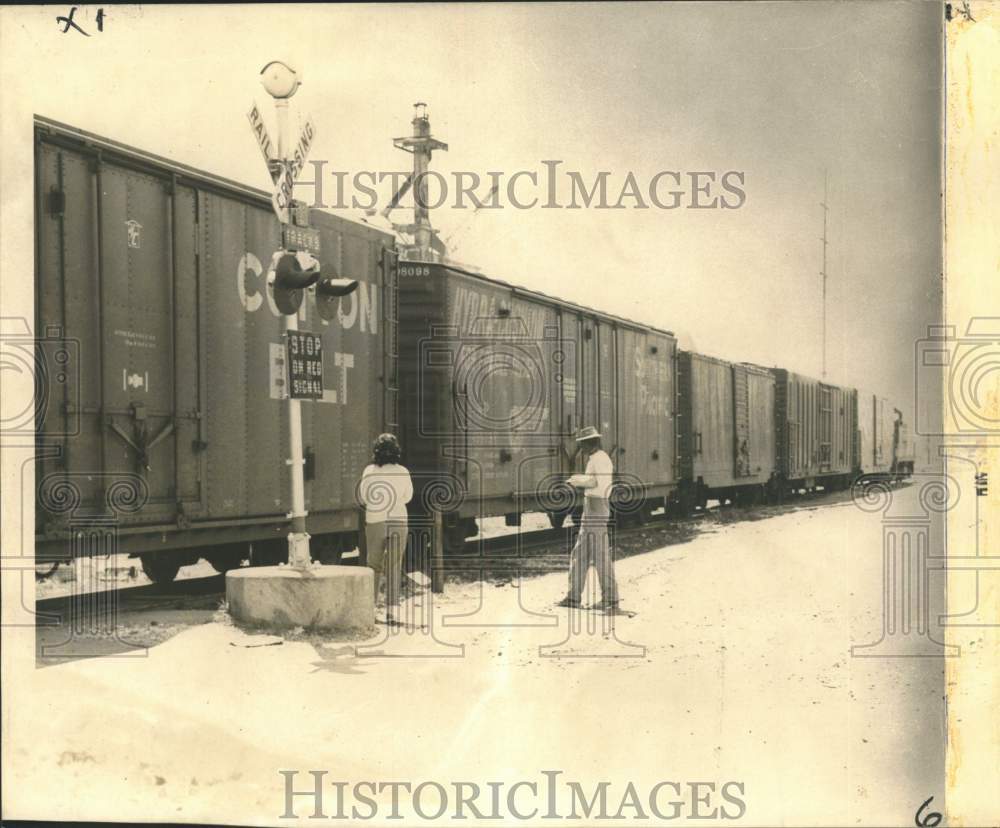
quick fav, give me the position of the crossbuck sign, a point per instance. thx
(288, 169)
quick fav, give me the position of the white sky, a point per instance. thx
(780, 91)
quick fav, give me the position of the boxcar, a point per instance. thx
(815, 431)
(876, 429)
(726, 445)
(903, 449)
(172, 413)
(496, 380)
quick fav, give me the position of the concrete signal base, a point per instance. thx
(320, 597)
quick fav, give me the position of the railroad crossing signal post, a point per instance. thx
(281, 82)
(298, 538)
(301, 594)
(293, 270)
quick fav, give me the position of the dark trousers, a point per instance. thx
(386, 544)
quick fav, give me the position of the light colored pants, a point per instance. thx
(593, 548)
(386, 544)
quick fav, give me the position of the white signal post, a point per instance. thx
(281, 82)
(302, 594)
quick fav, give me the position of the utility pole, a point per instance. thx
(823, 271)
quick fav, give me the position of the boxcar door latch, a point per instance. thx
(139, 439)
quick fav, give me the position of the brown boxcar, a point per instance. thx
(726, 446)
(815, 431)
(156, 274)
(497, 379)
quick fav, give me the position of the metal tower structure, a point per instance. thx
(421, 144)
(823, 271)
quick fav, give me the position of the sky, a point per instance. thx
(783, 93)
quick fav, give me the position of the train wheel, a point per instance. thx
(775, 492)
(454, 540)
(326, 548)
(644, 515)
(160, 569)
(682, 504)
(269, 552)
(750, 496)
(225, 558)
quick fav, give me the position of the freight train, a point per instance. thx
(168, 408)
(496, 379)
(161, 382)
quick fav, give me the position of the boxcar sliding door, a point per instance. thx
(118, 277)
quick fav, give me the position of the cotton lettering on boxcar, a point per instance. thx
(363, 305)
(356, 310)
(359, 308)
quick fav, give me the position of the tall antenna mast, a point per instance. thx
(823, 271)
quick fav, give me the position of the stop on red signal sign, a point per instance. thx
(305, 365)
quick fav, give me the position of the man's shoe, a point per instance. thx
(604, 604)
(568, 602)
(410, 587)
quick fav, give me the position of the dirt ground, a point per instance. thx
(736, 667)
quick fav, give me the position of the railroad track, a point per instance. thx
(548, 549)
(501, 556)
(177, 594)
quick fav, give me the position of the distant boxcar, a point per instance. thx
(815, 431)
(154, 274)
(903, 449)
(876, 432)
(726, 427)
(497, 379)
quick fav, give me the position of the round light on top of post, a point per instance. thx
(280, 79)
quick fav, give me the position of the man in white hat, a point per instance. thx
(593, 546)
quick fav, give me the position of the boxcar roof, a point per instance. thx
(551, 300)
(797, 377)
(750, 366)
(74, 137)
